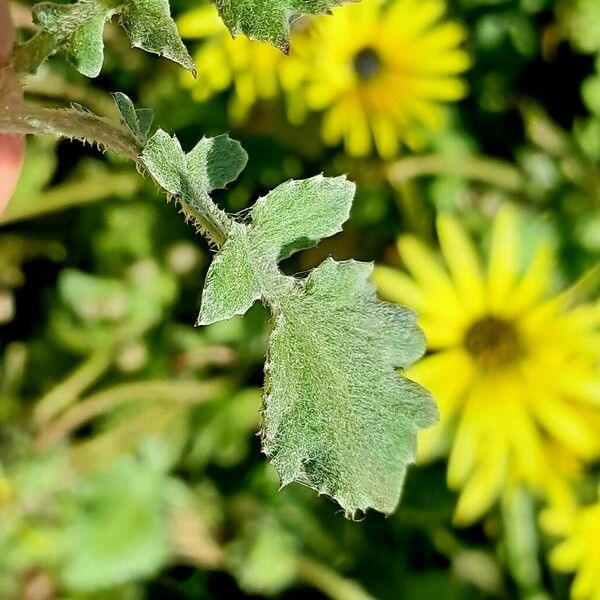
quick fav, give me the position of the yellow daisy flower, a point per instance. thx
(378, 71)
(515, 372)
(255, 70)
(579, 552)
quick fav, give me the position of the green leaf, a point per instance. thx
(211, 165)
(149, 25)
(268, 20)
(299, 214)
(339, 418)
(233, 283)
(119, 529)
(79, 28)
(137, 120)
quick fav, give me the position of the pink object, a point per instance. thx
(12, 147)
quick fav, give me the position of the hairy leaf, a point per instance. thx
(338, 417)
(137, 120)
(233, 282)
(79, 27)
(211, 165)
(299, 214)
(268, 20)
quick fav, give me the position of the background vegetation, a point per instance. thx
(129, 464)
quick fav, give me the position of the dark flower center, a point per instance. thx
(367, 64)
(493, 342)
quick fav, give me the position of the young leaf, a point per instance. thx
(137, 120)
(211, 165)
(268, 20)
(299, 214)
(233, 281)
(79, 27)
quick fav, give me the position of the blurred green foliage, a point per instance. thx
(129, 465)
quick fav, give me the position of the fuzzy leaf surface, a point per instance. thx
(210, 165)
(299, 214)
(268, 20)
(339, 417)
(79, 27)
(137, 120)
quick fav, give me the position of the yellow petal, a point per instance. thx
(588, 573)
(462, 260)
(503, 263)
(534, 283)
(396, 286)
(465, 446)
(566, 556)
(200, 22)
(483, 488)
(576, 429)
(432, 277)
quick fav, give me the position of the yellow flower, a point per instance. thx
(378, 71)
(515, 372)
(579, 551)
(255, 70)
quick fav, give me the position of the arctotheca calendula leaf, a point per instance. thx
(339, 416)
(269, 20)
(78, 28)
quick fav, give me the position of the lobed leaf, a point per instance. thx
(338, 415)
(79, 27)
(211, 165)
(268, 20)
(299, 214)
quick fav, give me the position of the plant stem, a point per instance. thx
(182, 392)
(91, 188)
(27, 57)
(65, 393)
(329, 582)
(72, 124)
(210, 220)
(479, 168)
(522, 547)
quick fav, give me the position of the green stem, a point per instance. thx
(87, 127)
(477, 168)
(68, 391)
(27, 57)
(71, 124)
(91, 188)
(212, 222)
(522, 547)
(182, 392)
(329, 582)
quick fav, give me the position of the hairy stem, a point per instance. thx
(27, 57)
(87, 127)
(72, 124)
